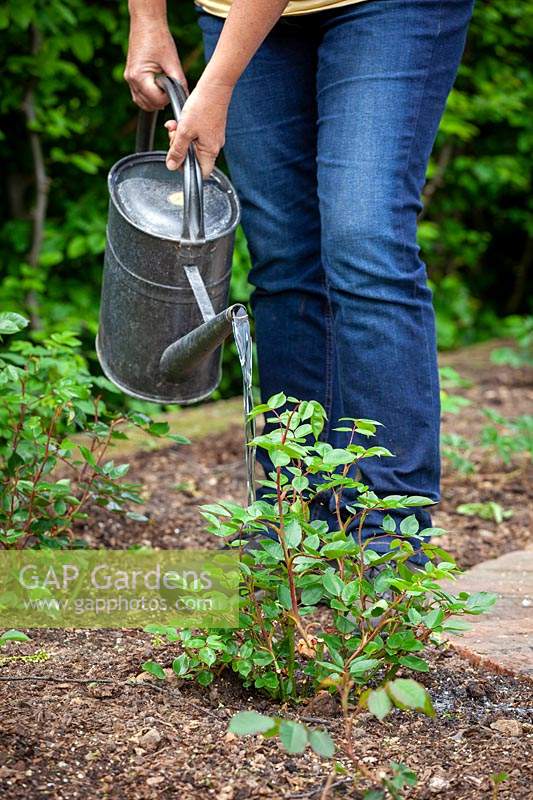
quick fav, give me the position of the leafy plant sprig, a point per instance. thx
(47, 478)
(295, 737)
(378, 614)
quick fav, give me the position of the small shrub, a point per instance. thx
(377, 614)
(450, 379)
(521, 355)
(295, 737)
(457, 451)
(488, 510)
(502, 438)
(496, 779)
(47, 396)
(507, 438)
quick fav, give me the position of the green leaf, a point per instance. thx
(77, 247)
(339, 549)
(248, 723)
(350, 592)
(489, 511)
(413, 662)
(318, 416)
(300, 483)
(406, 693)
(377, 451)
(280, 458)
(88, 456)
(312, 542)
(158, 428)
(433, 619)
(480, 602)
(205, 678)
(322, 743)
(274, 549)
(207, 655)
(414, 616)
(311, 595)
(418, 500)
(362, 664)
(336, 457)
(378, 703)
(456, 625)
(158, 629)
(332, 583)
(293, 736)
(330, 667)
(176, 437)
(154, 669)
(180, 665)
(10, 322)
(284, 596)
(82, 45)
(388, 524)
(276, 401)
(404, 640)
(136, 517)
(499, 777)
(269, 680)
(409, 526)
(293, 534)
(14, 636)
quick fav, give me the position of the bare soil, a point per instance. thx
(65, 736)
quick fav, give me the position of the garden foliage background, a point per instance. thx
(66, 116)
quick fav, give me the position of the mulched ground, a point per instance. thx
(62, 739)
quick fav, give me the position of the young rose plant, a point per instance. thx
(319, 608)
(47, 480)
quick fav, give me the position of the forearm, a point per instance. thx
(151, 51)
(247, 25)
(204, 116)
(146, 12)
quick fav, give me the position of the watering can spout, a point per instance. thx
(182, 356)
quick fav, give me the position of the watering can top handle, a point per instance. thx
(193, 212)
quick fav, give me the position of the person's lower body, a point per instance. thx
(329, 134)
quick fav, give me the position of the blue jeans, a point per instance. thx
(329, 133)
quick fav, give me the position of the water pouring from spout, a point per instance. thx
(243, 342)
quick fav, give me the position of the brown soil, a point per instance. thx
(67, 739)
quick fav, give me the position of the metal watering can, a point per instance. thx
(167, 268)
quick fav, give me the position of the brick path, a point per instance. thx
(503, 638)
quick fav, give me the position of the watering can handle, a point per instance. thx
(193, 206)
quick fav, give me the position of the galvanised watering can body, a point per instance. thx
(167, 268)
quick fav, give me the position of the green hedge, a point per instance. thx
(62, 92)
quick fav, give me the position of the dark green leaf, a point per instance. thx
(154, 669)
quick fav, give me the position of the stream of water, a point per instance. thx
(243, 342)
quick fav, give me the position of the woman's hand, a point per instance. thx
(203, 121)
(151, 50)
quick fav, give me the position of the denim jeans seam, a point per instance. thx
(328, 394)
(433, 389)
(417, 121)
